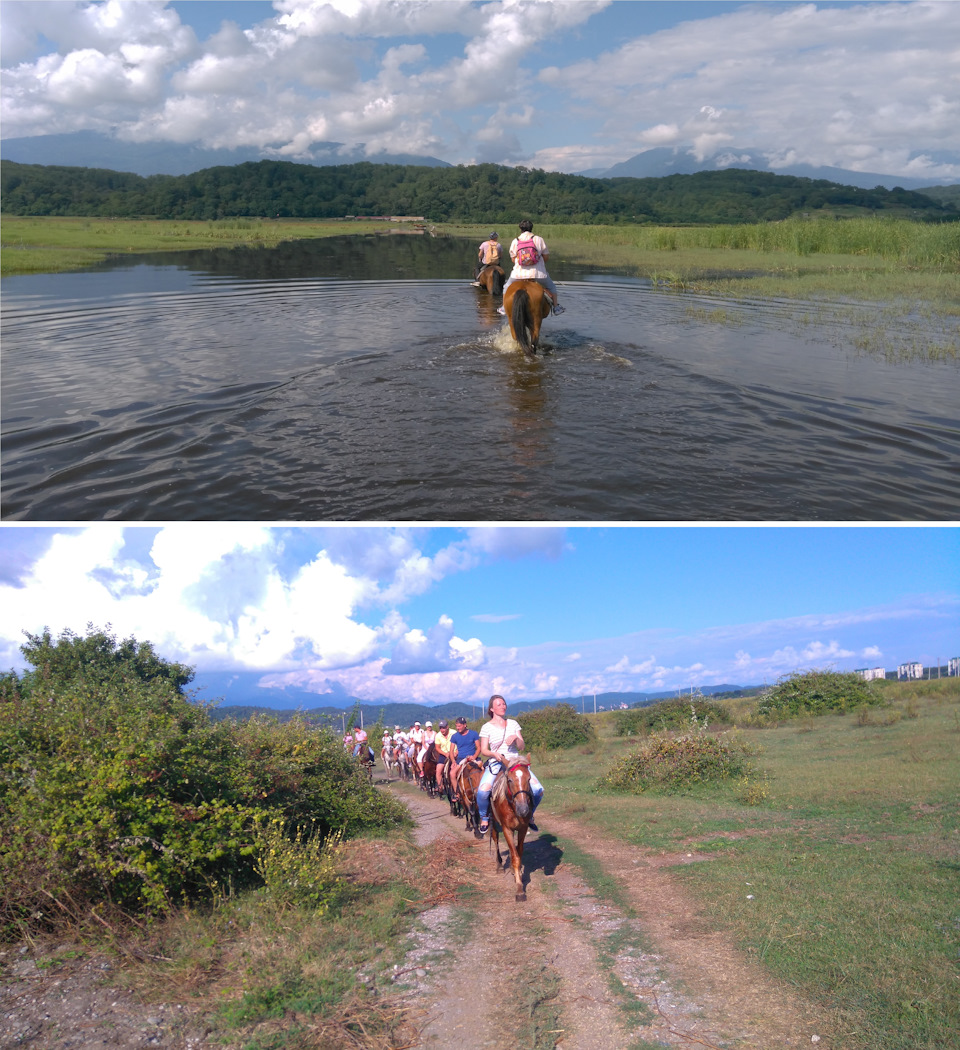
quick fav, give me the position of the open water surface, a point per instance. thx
(363, 378)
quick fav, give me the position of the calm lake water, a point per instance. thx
(363, 378)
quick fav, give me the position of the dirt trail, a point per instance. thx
(589, 974)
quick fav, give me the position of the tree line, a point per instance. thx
(482, 193)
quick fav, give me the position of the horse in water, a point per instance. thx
(511, 806)
(526, 304)
(492, 277)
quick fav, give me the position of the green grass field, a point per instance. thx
(844, 876)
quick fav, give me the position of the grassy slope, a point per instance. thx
(845, 878)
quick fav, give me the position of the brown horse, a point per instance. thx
(428, 770)
(469, 776)
(511, 806)
(492, 277)
(526, 304)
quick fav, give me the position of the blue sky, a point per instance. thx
(567, 86)
(439, 614)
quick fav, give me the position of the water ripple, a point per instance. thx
(208, 396)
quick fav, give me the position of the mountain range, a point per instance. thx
(241, 695)
(91, 149)
(656, 163)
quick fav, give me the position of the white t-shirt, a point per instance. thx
(495, 736)
(529, 273)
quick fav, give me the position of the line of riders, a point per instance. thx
(460, 767)
(529, 253)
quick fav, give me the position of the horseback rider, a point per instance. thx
(489, 253)
(441, 748)
(465, 744)
(529, 254)
(500, 741)
(359, 741)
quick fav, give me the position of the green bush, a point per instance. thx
(668, 714)
(674, 763)
(816, 693)
(552, 728)
(115, 787)
(298, 867)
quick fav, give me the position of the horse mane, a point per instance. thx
(500, 784)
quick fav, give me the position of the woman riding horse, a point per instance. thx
(500, 743)
(529, 253)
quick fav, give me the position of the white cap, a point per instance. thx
(430, 724)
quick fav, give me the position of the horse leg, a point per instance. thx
(518, 856)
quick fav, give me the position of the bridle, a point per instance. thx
(511, 795)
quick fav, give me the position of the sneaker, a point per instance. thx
(558, 309)
(501, 311)
(484, 827)
(532, 826)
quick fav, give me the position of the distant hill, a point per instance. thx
(662, 161)
(337, 712)
(91, 149)
(479, 194)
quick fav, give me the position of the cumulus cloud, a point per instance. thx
(332, 610)
(439, 649)
(860, 86)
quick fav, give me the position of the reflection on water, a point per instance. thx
(364, 378)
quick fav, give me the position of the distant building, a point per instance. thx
(869, 673)
(953, 667)
(906, 672)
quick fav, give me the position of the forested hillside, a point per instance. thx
(478, 194)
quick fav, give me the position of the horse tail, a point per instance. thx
(522, 317)
(497, 281)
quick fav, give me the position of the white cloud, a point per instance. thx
(437, 650)
(323, 608)
(865, 86)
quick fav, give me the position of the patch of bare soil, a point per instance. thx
(68, 1003)
(661, 976)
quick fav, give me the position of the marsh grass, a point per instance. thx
(853, 857)
(53, 244)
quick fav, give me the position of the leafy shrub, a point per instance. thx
(552, 728)
(816, 693)
(673, 763)
(298, 866)
(667, 715)
(115, 787)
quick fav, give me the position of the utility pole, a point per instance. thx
(594, 703)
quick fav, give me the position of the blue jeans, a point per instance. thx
(486, 786)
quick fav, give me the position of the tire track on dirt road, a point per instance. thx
(587, 973)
